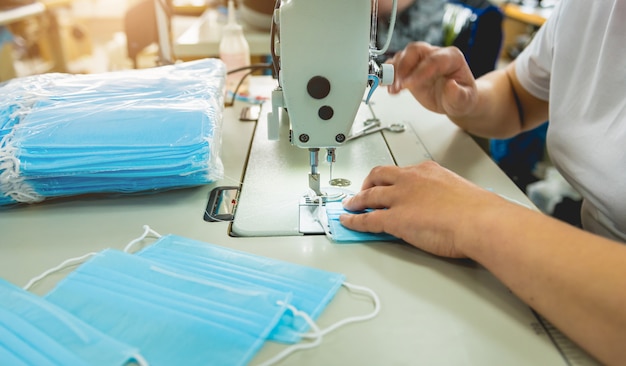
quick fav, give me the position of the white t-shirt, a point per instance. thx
(577, 61)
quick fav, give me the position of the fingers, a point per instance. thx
(406, 61)
(379, 190)
(375, 198)
(422, 60)
(387, 185)
(443, 67)
(433, 74)
(372, 222)
(446, 62)
(374, 192)
(381, 176)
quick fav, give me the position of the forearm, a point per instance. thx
(573, 278)
(504, 108)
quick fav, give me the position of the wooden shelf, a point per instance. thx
(526, 14)
(520, 20)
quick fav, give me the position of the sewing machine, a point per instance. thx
(323, 55)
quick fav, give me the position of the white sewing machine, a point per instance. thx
(323, 54)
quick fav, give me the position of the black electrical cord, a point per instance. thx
(252, 69)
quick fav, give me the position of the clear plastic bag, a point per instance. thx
(127, 131)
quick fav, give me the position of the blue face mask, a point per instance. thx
(181, 299)
(312, 288)
(170, 315)
(141, 130)
(36, 332)
(342, 234)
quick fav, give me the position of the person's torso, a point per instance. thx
(587, 133)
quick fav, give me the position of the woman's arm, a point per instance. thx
(575, 279)
(495, 105)
(504, 107)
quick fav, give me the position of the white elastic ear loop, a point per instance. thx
(296, 347)
(66, 263)
(78, 260)
(318, 334)
(352, 319)
(146, 230)
(12, 183)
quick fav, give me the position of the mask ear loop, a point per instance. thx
(12, 183)
(79, 260)
(316, 335)
(66, 263)
(352, 319)
(323, 221)
(146, 230)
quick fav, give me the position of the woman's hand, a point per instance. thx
(439, 78)
(426, 205)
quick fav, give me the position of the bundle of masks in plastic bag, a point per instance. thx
(176, 301)
(120, 132)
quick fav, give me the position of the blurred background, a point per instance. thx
(86, 36)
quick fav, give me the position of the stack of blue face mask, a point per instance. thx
(129, 131)
(179, 301)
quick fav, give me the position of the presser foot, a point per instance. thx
(309, 206)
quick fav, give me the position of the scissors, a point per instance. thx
(394, 127)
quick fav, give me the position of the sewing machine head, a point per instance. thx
(323, 56)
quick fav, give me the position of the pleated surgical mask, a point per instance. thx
(181, 300)
(35, 332)
(171, 316)
(312, 288)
